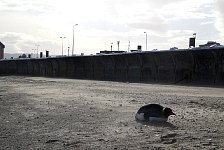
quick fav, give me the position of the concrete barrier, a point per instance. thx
(48, 68)
(109, 68)
(149, 68)
(55, 67)
(88, 67)
(42, 65)
(219, 68)
(3, 67)
(23, 67)
(70, 67)
(10, 67)
(98, 63)
(30, 67)
(81, 67)
(134, 67)
(184, 66)
(165, 65)
(121, 68)
(62, 67)
(36, 67)
(203, 67)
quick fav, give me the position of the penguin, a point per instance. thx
(153, 112)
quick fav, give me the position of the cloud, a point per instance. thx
(154, 27)
(25, 6)
(23, 43)
(219, 16)
(13, 41)
(101, 22)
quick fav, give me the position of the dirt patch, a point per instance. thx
(45, 113)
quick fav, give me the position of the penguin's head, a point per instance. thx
(167, 112)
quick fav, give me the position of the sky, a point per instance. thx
(167, 23)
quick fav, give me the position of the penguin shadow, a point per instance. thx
(158, 124)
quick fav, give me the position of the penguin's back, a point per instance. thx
(151, 112)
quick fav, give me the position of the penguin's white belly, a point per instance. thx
(141, 117)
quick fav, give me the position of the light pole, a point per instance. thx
(194, 35)
(146, 40)
(118, 45)
(34, 50)
(129, 44)
(73, 39)
(111, 46)
(62, 44)
(37, 45)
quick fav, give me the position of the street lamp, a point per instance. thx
(111, 46)
(118, 45)
(129, 44)
(194, 35)
(62, 44)
(68, 50)
(146, 40)
(73, 39)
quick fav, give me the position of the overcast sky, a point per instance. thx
(168, 23)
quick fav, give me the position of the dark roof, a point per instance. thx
(2, 45)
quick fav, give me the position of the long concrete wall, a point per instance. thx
(192, 67)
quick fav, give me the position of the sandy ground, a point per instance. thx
(45, 113)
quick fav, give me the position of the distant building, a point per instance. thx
(23, 56)
(110, 52)
(210, 44)
(2, 46)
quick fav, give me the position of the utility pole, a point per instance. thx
(118, 44)
(73, 39)
(129, 44)
(111, 46)
(146, 40)
(62, 44)
(34, 51)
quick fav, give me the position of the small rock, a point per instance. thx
(52, 141)
(207, 144)
(73, 143)
(171, 135)
(133, 100)
(170, 141)
(116, 131)
(125, 123)
(103, 140)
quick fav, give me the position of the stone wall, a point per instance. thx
(189, 67)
